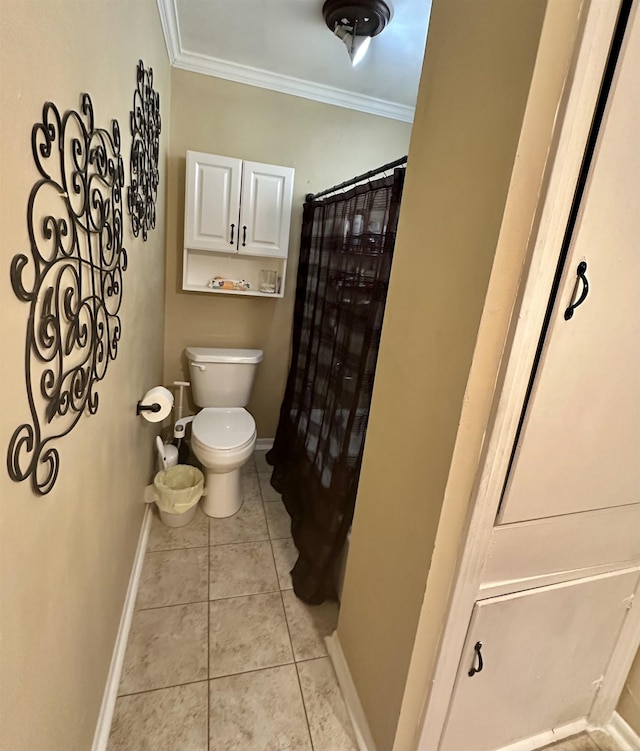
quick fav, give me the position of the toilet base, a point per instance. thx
(223, 496)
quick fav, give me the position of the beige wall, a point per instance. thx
(324, 144)
(65, 558)
(476, 77)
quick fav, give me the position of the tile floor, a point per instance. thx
(221, 654)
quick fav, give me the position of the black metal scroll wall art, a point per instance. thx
(145, 148)
(72, 282)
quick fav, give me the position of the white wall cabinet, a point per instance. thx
(237, 220)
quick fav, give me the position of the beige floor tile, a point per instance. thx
(269, 493)
(249, 467)
(580, 742)
(247, 633)
(166, 647)
(603, 741)
(261, 463)
(259, 711)
(285, 554)
(250, 487)
(164, 720)
(247, 525)
(326, 711)
(308, 625)
(243, 569)
(193, 535)
(278, 520)
(173, 577)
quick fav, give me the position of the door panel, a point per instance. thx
(266, 208)
(544, 651)
(580, 442)
(560, 547)
(212, 202)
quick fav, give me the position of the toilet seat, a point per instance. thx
(224, 428)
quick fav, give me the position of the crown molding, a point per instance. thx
(170, 28)
(295, 86)
(209, 66)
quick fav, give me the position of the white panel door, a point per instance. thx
(212, 202)
(267, 192)
(579, 448)
(543, 652)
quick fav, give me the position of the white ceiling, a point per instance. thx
(285, 45)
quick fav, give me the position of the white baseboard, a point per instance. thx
(623, 734)
(264, 444)
(547, 737)
(110, 695)
(351, 698)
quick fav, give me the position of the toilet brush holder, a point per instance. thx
(167, 454)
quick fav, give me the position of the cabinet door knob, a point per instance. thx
(232, 229)
(244, 235)
(478, 658)
(581, 276)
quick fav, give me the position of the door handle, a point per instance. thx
(581, 276)
(477, 660)
(232, 228)
(244, 235)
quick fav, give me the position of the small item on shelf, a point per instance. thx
(219, 282)
(268, 279)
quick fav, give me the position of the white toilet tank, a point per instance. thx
(222, 377)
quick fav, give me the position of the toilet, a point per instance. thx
(223, 433)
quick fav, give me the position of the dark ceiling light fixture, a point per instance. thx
(355, 22)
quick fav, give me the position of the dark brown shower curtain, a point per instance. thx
(345, 260)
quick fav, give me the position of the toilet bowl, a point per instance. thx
(222, 439)
(223, 433)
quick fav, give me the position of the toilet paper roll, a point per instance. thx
(157, 395)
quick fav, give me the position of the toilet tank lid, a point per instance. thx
(215, 354)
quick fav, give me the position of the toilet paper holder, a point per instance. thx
(140, 407)
(156, 404)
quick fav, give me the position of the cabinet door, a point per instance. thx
(580, 442)
(266, 209)
(212, 202)
(543, 651)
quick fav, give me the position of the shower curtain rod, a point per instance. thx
(313, 196)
